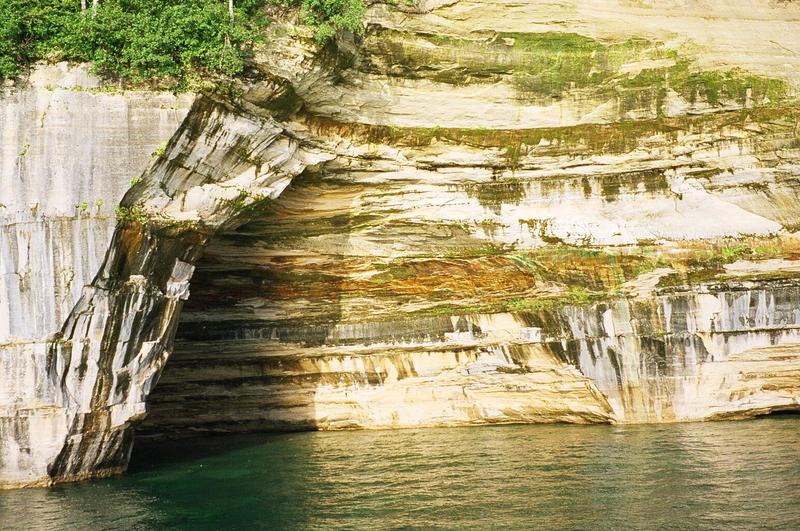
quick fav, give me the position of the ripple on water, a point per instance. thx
(741, 475)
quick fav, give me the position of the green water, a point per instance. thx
(731, 475)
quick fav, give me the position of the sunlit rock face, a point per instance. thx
(279, 335)
(70, 148)
(585, 188)
(480, 212)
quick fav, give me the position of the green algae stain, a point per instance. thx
(651, 180)
(393, 272)
(497, 193)
(576, 296)
(558, 62)
(617, 137)
(555, 62)
(714, 87)
(541, 229)
(549, 65)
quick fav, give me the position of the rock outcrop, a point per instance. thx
(71, 148)
(479, 212)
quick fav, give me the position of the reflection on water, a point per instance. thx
(711, 475)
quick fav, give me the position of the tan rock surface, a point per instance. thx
(481, 212)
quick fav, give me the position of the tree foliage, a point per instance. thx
(329, 16)
(171, 41)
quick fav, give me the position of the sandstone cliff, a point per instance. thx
(479, 212)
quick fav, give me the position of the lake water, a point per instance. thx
(725, 475)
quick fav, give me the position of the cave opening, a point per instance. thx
(256, 303)
(295, 318)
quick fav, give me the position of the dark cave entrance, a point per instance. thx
(254, 304)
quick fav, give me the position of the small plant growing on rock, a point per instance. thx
(160, 150)
(134, 214)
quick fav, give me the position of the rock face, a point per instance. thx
(71, 147)
(588, 216)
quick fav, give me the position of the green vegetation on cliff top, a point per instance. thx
(169, 42)
(186, 43)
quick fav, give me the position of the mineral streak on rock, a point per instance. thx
(480, 212)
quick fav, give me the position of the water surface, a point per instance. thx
(726, 475)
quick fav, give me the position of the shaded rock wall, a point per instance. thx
(111, 349)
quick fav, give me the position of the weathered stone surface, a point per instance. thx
(101, 366)
(70, 148)
(388, 225)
